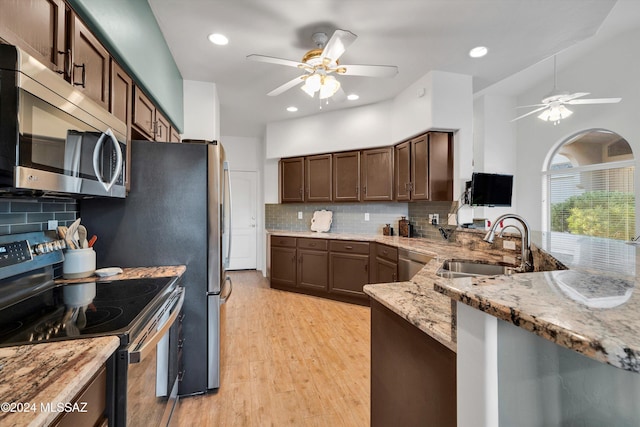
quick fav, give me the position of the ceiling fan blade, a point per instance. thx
(368, 70)
(285, 87)
(532, 105)
(273, 60)
(595, 101)
(574, 96)
(338, 44)
(529, 113)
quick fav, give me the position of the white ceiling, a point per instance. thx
(416, 35)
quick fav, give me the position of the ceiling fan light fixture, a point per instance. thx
(555, 114)
(312, 84)
(330, 85)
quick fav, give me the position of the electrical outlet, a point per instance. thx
(366, 216)
(299, 215)
(509, 244)
(434, 219)
(52, 224)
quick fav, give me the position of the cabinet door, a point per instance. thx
(143, 114)
(377, 174)
(283, 266)
(385, 271)
(292, 180)
(38, 27)
(120, 102)
(90, 65)
(440, 166)
(174, 135)
(420, 167)
(348, 273)
(318, 178)
(346, 177)
(313, 269)
(402, 171)
(162, 128)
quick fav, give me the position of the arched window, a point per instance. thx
(590, 186)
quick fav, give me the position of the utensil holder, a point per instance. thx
(79, 263)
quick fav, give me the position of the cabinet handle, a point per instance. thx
(84, 75)
(300, 191)
(158, 130)
(366, 266)
(312, 244)
(293, 259)
(66, 63)
(385, 252)
(365, 190)
(348, 247)
(357, 190)
(393, 276)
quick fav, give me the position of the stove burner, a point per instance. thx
(96, 318)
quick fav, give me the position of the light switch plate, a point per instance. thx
(366, 216)
(299, 215)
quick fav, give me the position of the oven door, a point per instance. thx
(151, 366)
(61, 152)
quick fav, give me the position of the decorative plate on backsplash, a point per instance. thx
(321, 220)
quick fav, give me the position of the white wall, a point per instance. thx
(201, 111)
(353, 128)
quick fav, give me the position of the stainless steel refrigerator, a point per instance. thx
(178, 211)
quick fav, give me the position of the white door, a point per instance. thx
(244, 186)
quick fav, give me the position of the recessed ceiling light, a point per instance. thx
(292, 109)
(478, 52)
(352, 97)
(218, 39)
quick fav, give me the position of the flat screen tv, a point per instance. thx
(490, 189)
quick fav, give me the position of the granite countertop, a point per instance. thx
(589, 308)
(38, 374)
(55, 372)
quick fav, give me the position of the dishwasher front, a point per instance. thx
(409, 263)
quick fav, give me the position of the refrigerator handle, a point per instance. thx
(225, 298)
(227, 221)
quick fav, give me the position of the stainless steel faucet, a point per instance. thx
(526, 262)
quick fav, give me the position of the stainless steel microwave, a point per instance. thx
(54, 140)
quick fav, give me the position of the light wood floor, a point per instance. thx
(287, 359)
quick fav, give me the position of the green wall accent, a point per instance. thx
(129, 30)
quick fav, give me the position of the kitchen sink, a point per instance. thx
(467, 268)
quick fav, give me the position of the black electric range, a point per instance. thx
(84, 310)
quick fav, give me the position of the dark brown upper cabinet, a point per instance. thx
(90, 63)
(424, 168)
(377, 174)
(39, 28)
(402, 171)
(292, 180)
(318, 179)
(346, 176)
(120, 103)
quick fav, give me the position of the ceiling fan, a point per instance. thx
(320, 65)
(553, 106)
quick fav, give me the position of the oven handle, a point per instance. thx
(147, 345)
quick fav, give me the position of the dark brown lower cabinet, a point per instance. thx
(93, 400)
(299, 264)
(413, 376)
(385, 264)
(348, 268)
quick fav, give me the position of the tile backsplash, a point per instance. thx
(25, 215)
(347, 217)
(350, 217)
